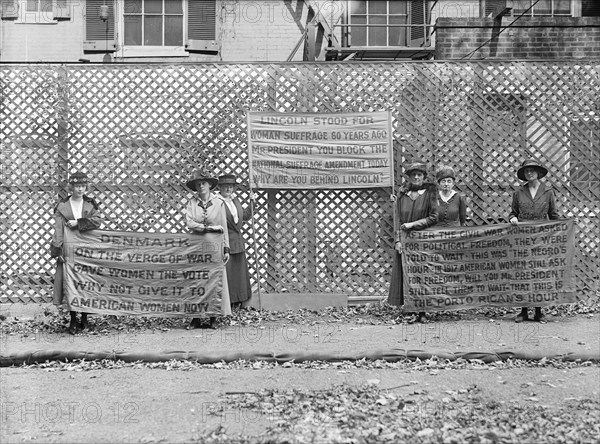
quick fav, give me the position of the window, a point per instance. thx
(375, 23)
(153, 22)
(152, 28)
(548, 8)
(36, 11)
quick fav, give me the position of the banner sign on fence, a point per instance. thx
(152, 274)
(309, 151)
(527, 265)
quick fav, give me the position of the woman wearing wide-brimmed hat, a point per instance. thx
(452, 205)
(77, 212)
(532, 201)
(205, 213)
(416, 209)
(238, 276)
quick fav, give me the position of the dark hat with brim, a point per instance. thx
(77, 178)
(201, 176)
(228, 179)
(416, 166)
(542, 171)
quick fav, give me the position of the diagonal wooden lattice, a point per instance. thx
(140, 130)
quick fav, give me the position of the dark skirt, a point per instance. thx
(58, 296)
(396, 296)
(238, 278)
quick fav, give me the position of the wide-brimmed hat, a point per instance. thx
(530, 163)
(77, 178)
(228, 179)
(445, 173)
(201, 176)
(416, 166)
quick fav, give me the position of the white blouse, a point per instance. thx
(77, 208)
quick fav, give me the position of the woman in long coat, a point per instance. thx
(532, 201)
(416, 209)
(76, 212)
(238, 276)
(205, 213)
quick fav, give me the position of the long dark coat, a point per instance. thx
(90, 220)
(424, 211)
(238, 277)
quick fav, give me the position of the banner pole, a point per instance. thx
(393, 182)
(256, 264)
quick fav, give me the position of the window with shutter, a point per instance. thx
(203, 29)
(380, 23)
(99, 33)
(167, 28)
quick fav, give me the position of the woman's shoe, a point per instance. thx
(83, 325)
(539, 316)
(194, 323)
(73, 324)
(523, 316)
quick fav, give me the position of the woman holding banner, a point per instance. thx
(532, 201)
(238, 277)
(76, 212)
(452, 206)
(416, 209)
(206, 214)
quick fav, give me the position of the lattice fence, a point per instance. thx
(140, 130)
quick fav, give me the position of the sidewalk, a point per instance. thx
(580, 335)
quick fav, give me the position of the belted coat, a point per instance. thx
(90, 220)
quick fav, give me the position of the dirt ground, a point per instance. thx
(246, 402)
(142, 405)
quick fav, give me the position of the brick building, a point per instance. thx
(546, 30)
(295, 30)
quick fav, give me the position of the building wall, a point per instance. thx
(528, 38)
(270, 30)
(450, 8)
(262, 30)
(250, 31)
(43, 40)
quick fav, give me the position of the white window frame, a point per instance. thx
(575, 12)
(147, 51)
(35, 17)
(387, 30)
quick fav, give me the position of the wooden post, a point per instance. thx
(62, 132)
(311, 42)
